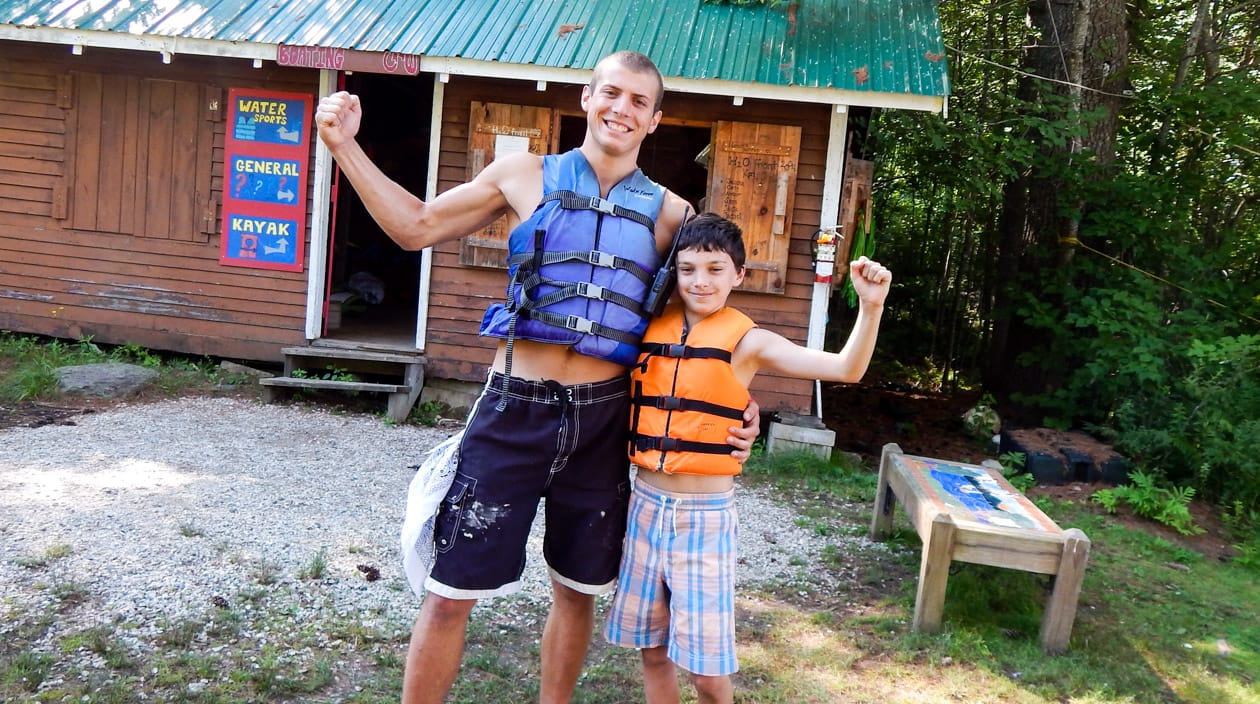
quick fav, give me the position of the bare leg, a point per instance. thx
(660, 676)
(437, 646)
(713, 690)
(565, 640)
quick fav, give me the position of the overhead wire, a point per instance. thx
(1072, 241)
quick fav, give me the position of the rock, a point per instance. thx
(234, 368)
(109, 379)
(982, 422)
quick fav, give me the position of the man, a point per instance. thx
(553, 368)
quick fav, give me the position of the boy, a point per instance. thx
(675, 592)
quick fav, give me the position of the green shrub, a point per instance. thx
(1169, 506)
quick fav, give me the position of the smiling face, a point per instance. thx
(622, 106)
(705, 281)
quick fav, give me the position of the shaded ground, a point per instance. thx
(33, 415)
(868, 416)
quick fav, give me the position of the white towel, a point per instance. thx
(424, 496)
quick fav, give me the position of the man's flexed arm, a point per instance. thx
(408, 220)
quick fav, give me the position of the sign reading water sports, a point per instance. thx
(265, 179)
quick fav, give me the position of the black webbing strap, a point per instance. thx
(643, 443)
(583, 325)
(677, 403)
(573, 201)
(678, 351)
(594, 258)
(583, 289)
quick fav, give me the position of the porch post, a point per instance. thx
(833, 185)
(317, 255)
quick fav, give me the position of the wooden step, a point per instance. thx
(305, 383)
(313, 352)
(304, 368)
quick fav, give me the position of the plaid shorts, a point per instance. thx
(677, 581)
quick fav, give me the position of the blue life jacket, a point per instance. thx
(580, 266)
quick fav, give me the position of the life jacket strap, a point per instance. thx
(538, 259)
(577, 323)
(644, 443)
(583, 289)
(575, 201)
(680, 351)
(677, 403)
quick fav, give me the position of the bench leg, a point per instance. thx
(1056, 623)
(938, 551)
(885, 500)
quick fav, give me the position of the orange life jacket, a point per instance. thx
(684, 394)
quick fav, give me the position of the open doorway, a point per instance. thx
(373, 285)
(668, 155)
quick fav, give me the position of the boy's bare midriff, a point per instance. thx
(540, 361)
(686, 483)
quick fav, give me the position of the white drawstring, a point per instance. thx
(673, 517)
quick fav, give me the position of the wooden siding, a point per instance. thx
(87, 254)
(460, 294)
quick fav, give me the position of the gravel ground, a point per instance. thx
(162, 509)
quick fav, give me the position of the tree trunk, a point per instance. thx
(1077, 58)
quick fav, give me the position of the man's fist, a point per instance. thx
(337, 116)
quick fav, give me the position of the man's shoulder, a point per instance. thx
(673, 209)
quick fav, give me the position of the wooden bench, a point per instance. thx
(970, 513)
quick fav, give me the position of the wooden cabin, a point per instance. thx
(162, 184)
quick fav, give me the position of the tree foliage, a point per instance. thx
(1106, 215)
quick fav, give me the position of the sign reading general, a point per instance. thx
(265, 179)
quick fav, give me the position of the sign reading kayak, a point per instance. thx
(267, 152)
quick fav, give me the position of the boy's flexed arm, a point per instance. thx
(762, 349)
(408, 220)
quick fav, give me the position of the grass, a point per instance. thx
(28, 365)
(1156, 623)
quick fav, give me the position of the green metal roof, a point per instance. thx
(874, 47)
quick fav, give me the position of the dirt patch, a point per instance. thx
(865, 417)
(34, 415)
(1052, 442)
(1211, 543)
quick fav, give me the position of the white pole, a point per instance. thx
(833, 185)
(317, 270)
(430, 192)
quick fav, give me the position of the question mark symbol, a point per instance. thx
(241, 180)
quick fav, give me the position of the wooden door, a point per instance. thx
(495, 129)
(752, 181)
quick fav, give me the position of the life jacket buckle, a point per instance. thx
(668, 403)
(601, 205)
(578, 324)
(668, 444)
(603, 259)
(675, 351)
(590, 290)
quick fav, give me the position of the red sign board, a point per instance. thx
(347, 59)
(265, 175)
